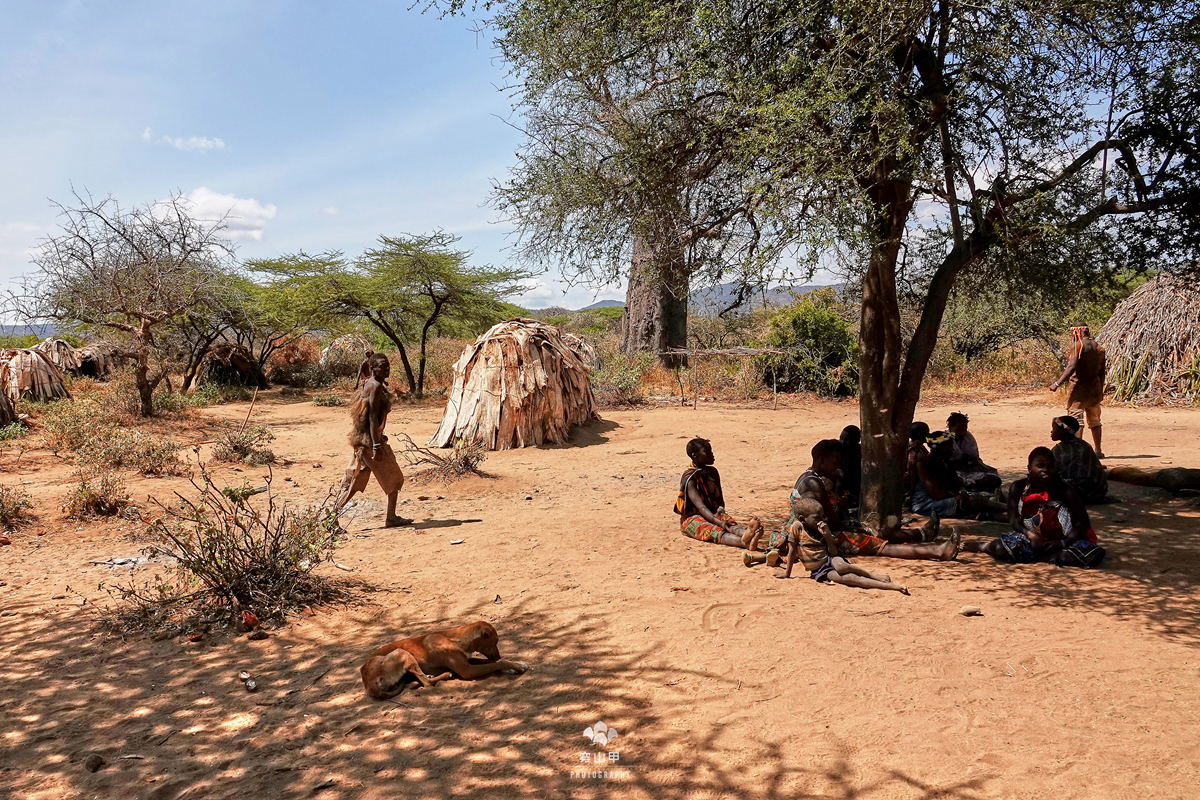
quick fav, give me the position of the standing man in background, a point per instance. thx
(1087, 365)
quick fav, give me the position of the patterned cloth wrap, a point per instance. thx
(700, 529)
(1052, 521)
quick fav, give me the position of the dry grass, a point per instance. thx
(462, 460)
(97, 495)
(246, 444)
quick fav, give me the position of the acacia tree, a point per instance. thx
(407, 288)
(129, 271)
(905, 142)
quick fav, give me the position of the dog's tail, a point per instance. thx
(382, 679)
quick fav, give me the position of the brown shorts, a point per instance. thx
(1091, 415)
(382, 464)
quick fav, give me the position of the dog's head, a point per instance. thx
(484, 640)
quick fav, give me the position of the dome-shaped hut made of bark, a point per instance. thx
(343, 356)
(97, 359)
(31, 373)
(519, 385)
(1152, 341)
(232, 365)
(60, 353)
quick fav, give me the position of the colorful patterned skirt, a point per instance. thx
(700, 529)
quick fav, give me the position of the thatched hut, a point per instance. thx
(232, 365)
(60, 353)
(1153, 342)
(97, 359)
(31, 372)
(518, 385)
(345, 353)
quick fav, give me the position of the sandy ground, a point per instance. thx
(721, 681)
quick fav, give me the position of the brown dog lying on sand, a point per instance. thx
(435, 657)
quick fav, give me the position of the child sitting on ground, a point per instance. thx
(701, 504)
(810, 541)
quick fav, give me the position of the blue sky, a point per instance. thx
(319, 125)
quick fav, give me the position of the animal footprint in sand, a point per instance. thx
(600, 735)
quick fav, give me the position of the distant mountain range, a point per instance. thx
(41, 331)
(604, 304)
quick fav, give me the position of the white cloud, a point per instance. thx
(192, 144)
(535, 291)
(245, 218)
(332, 211)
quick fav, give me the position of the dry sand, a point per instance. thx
(721, 681)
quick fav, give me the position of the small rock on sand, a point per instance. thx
(258, 635)
(971, 611)
(93, 762)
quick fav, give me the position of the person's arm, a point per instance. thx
(816, 489)
(697, 501)
(1014, 503)
(373, 417)
(1080, 521)
(1067, 373)
(827, 536)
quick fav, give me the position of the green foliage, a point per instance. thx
(408, 288)
(14, 430)
(105, 449)
(619, 379)
(821, 348)
(329, 399)
(15, 504)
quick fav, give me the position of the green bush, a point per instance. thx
(329, 399)
(248, 445)
(14, 430)
(97, 495)
(822, 350)
(121, 448)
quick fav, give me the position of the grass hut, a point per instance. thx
(345, 353)
(60, 353)
(97, 359)
(232, 365)
(518, 385)
(1153, 342)
(31, 373)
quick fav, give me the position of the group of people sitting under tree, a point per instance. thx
(945, 477)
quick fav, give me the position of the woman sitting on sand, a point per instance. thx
(1049, 521)
(701, 504)
(964, 457)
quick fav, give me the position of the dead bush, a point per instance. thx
(462, 460)
(100, 494)
(230, 556)
(293, 359)
(244, 444)
(15, 504)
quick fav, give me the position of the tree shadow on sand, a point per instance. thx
(172, 720)
(1151, 574)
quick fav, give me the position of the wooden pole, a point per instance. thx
(249, 410)
(775, 390)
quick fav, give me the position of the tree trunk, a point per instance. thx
(656, 302)
(884, 420)
(144, 387)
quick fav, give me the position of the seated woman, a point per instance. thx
(976, 475)
(701, 504)
(918, 432)
(1049, 521)
(851, 483)
(1076, 462)
(939, 489)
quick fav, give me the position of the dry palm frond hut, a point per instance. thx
(8, 414)
(1153, 342)
(345, 353)
(582, 347)
(60, 353)
(32, 373)
(518, 385)
(232, 365)
(97, 359)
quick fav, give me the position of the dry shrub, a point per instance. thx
(1028, 365)
(244, 444)
(105, 448)
(230, 556)
(621, 380)
(462, 460)
(67, 426)
(441, 355)
(15, 504)
(329, 399)
(293, 359)
(100, 494)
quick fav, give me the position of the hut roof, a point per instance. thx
(518, 385)
(1153, 342)
(351, 348)
(99, 358)
(32, 372)
(62, 354)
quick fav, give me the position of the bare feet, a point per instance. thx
(753, 533)
(949, 549)
(771, 559)
(397, 522)
(904, 591)
(929, 531)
